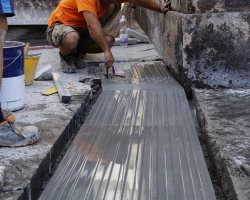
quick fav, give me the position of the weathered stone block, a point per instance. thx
(204, 50)
(172, 39)
(216, 50)
(152, 26)
(210, 6)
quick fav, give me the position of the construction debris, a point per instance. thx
(44, 74)
(96, 70)
(137, 35)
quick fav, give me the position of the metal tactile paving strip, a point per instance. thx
(156, 69)
(136, 143)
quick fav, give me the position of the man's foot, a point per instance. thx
(9, 137)
(80, 64)
(67, 65)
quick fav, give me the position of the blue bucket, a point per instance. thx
(12, 94)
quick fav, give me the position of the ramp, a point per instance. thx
(138, 142)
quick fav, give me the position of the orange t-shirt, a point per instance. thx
(70, 12)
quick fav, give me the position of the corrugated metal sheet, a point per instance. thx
(138, 142)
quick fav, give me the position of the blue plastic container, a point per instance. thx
(12, 94)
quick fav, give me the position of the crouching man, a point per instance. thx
(74, 28)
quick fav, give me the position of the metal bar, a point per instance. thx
(62, 90)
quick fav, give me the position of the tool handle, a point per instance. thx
(119, 75)
(107, 73)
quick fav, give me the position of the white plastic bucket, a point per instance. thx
(12, 95)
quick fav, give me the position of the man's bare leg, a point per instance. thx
(94, 48)
(69, 44)
(69, 62)
(71, 40)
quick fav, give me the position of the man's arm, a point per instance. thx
(96, 32)
(150, 4)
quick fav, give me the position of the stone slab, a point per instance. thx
(224, 116)
(209, 6)
(216, 50)
(151, 22)
(137, 35)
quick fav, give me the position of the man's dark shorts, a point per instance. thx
(56, 34)
(7, 8)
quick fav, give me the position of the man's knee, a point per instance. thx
(71, 40)
(110, 39)
(62, 36)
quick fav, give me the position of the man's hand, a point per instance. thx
(108, 59)
(152, 5)
(98, 36)
(165, 7)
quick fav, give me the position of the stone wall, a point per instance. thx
(205, 44)
(210, 6)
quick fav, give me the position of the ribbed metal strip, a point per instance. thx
(135, 144)
(157, 69)
(137, 162)
(141, 107)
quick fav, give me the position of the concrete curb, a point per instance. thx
(213, 152)
(219, 131)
